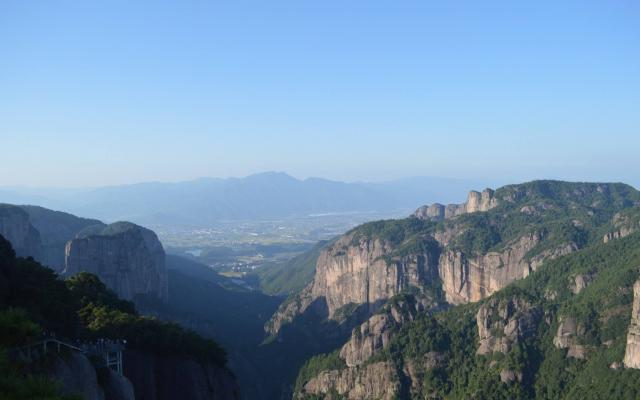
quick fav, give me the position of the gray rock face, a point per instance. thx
(509, 376)
(568, 337)
(476, 202)
(168, 378)
(376, 333)
(632, 352)
(56, 229)
(415, 369)
(116, 387)
(77, 376)
(466, 279)
(579, 282)
(624, 226)
(374, 381)
(16, 227)
(434, 212)
(129, 259)
(503, 324)
(358, 273)
(289, 310)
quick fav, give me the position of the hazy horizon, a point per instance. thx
(484, 182)
(119, 93)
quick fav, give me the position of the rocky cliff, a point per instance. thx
(623, 224)
(567, 308)
(481, 246)
(476, 202)
(129, 259)
(77, 376)
(56, 229)
(357, 271)
(166, 377)
(17, 228)
(632, 352)
(374, 381)
(375, 334)
(468, 278)
(503, 324)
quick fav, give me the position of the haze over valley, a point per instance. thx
(327, 200)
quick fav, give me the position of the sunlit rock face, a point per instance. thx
(505, 323)
(472, 278)
(374, 381)
(375, 334)
(359, 271)
(632, 353)
(128, 258)
(476, 202)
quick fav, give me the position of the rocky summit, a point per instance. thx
(128, 258)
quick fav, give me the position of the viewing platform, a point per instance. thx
(103, 352)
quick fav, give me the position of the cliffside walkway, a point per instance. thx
(107, 353)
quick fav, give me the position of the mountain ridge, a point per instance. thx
(262, 195)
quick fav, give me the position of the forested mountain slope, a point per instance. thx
(33, 300)
(560, 333)
(444, 256)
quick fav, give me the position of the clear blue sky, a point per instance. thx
(128, 91)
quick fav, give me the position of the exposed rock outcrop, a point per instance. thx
(76, 375)
(509, 376)
(505, 323)
(16, 227)
(415, 370)
(433, 212)
(362, 272)
(359, 271)
(579, 282)
(168, 378)
(289, 310)
(476, 202)
(375, 334)
(624, 225)
(467, 279)
(568, 337)
(632, 352)
(115, 386)
(56, 229)
(129, 259)
(374, 381)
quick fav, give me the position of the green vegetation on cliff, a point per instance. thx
(602, 310)
(33, 299)
(560, 333)
(283, 279)
(561, 213)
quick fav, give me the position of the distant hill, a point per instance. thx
(264, 195)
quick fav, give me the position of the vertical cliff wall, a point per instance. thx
(16, 227)
(129, 259)
(632, 352)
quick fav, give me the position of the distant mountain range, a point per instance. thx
(258, 196)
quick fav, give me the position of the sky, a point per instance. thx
(109, 92)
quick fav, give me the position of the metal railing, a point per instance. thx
(106, 352)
